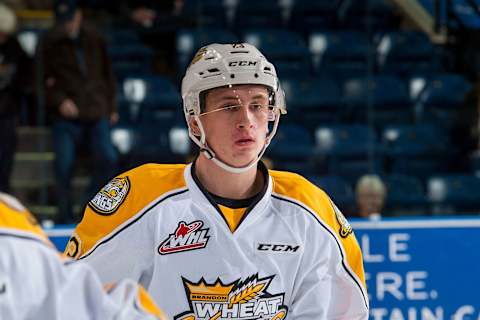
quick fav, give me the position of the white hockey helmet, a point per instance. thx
(219, 65)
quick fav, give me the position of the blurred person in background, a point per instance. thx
(80, 95)
(370, 193)
(156, 20)
(15, 70)
(36, 282)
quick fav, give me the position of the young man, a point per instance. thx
(37, 283)
(223, 237)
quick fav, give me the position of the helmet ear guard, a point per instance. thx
(220, 65)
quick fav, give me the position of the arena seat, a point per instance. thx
(387, 96)
(342, 54)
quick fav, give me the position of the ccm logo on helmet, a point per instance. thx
(242, 63)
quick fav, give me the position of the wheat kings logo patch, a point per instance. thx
(248, 299)
(107, 200)
(345, 227)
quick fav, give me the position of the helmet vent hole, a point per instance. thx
(256, 75)
(232, 76)
(213, 70)
(233, 52)
(267, 69)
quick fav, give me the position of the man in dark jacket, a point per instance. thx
(80, 92)
(14, 75)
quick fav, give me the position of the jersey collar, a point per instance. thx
(202, 197)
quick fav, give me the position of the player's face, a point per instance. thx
(370, 201)
(236, 122)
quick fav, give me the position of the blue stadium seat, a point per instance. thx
(123, 69)
(122, 37)
(420, 150)
(29, 39)
(307, 15)
(190, 40)
(123, 138)
(151, 143)
(462, 192)
(348, 150)
(312, 100)
(344, 140)
(466, 14)
(153, 97)
(405, 194)
(387, 96)
(368, 14)
(415, 140)
(343, 53)
(277, 44)
(206, 13)
(130, 58)
(442, 96)
(291, 142)
(402, 52)
(337, 188)
(128, 52)
(258, 14)
(286, 49)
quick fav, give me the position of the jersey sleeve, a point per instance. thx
(35, 282)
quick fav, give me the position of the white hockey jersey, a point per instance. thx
(36, 282)
(292, 255)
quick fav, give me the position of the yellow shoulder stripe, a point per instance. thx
(19, 219)
(147, 304)
(300, 189)
(121, 199)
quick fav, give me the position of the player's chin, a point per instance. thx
(242, 159)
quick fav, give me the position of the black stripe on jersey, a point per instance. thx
(132, 222)
(331, 233)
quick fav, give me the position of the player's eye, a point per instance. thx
(257, 107)
(230, 108)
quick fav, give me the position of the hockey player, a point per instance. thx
(36, 282)
(223, 237)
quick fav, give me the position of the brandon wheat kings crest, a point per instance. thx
(107, 200)
(248, 299)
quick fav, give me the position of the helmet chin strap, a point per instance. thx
(210, 154)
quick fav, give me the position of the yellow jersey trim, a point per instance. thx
(142, 191)
(233, 216)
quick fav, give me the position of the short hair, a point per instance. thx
(8, 20)
(371, 182)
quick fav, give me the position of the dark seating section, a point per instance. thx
(363, 96)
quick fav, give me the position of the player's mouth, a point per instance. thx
(244, 142)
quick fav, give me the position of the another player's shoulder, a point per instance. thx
(16, 219)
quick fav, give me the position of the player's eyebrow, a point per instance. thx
(232, 97)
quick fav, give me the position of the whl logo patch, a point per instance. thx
(241, 299)
(185, 238)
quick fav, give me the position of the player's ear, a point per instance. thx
(194, 126)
